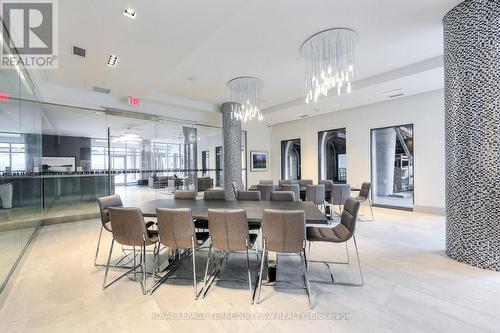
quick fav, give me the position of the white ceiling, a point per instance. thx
(190, 49)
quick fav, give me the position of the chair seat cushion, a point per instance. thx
(337, 234)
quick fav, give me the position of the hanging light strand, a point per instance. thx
(246, 91)
(329, 62)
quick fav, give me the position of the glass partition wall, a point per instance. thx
(20, 157)
(392, 166)
(290, 159)
(332, 161)
(145, 158)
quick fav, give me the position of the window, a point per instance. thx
(290, 159)
(13, 156)
(332, 158)
(392, 166)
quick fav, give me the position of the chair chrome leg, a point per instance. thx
(98, 244)
(107, 266)
(249, 276)
(303, 258)
(259, 283)
(371, 210)
(205, 287)
(359, 261)
(194, 268)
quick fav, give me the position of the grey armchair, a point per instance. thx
(284, 232)
(176, 231)
(265, 191)
(228, 233)
(364, 197)
(339, 194)
(341, 233)
(129, 229)
(295, 188)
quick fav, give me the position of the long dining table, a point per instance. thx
(254, 209)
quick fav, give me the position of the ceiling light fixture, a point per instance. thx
(246, 91)
(112, 60)
(329, 62)
(129, 12)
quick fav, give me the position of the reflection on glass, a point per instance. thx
(392, 166)
(332, 161)
(290, 159)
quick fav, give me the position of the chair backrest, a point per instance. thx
(365, 190)
(328, 184)
(282, 196)
(340, 193)
(176, 227)
(104, 204)
(315, 194)
(228, 229)
(305, 182)
(284, 231)
(214, 195)
(349, 216)
(248, 196)
(128, 226)
(295, 188)
(266, 182)
(235, 188)
(265, 191)
(185, 195)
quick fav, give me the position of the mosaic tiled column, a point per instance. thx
(231, 131)
(472, 98)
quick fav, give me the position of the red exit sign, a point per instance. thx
(4, 97)
(134, 101)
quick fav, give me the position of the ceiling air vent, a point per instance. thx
(79, 51)
(101, 90)
(396, 95)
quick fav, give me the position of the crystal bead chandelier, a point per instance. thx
(245, 91)
(329, 60)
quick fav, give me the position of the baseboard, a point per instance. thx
(430, 210)
(72, 218)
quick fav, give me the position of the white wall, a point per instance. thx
(424, 111)
(258, 139)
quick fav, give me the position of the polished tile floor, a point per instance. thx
(411, 286)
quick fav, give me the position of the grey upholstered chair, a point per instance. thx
(265, 191)
(284, 232)
(176, 231)
(316, 195)
(328, 188)
(129, 229)
(262, 182)
(248, 196)
(282, 196)
(104, 204)
(228, 233)
(214, 195)
(185, 195)
(305, 182)
(339, 194)
(295, 188)
(341, 233)
(235, 189)
(364, 196)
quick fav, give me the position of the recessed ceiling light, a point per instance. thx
(112, 60)
(390, 92)
(129, 12)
